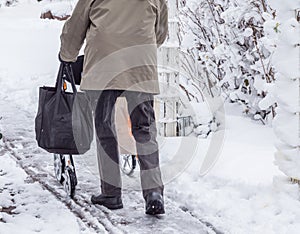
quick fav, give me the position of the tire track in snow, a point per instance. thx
(77, 207)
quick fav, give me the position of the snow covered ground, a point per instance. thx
(243, 193)
(24, 204)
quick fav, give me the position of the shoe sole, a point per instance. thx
(114, 207)
(108, 206)
(111, 207)
(155, 208)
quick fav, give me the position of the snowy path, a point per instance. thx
(25, 204)
(236, 196)
(20, 145)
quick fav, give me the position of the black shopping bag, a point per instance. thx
(64, 122)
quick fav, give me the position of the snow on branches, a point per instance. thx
(232, 49)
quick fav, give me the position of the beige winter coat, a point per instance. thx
(122, 37)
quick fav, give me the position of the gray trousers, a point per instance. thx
(140, 108)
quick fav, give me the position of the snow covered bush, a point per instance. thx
(251, 49)
(204, 120)
(202, 95)
(8, 3)
(58, 10)
(230, 39)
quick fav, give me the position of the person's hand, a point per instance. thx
(62, 61)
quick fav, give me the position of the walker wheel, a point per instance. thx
(128, 163)
(59, 167)
(70, 181)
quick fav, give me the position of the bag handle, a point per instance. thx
(59, 78)
(64, 69)
(70, 74)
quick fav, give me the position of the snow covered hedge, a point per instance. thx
(232, 49)
(284, 32)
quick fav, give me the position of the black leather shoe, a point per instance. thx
(110, 202)
(154, 204)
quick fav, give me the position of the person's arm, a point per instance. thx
(74, 31)
(161, 26)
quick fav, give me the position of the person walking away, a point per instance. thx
(122, 37)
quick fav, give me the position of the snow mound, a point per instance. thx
(57, 10)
